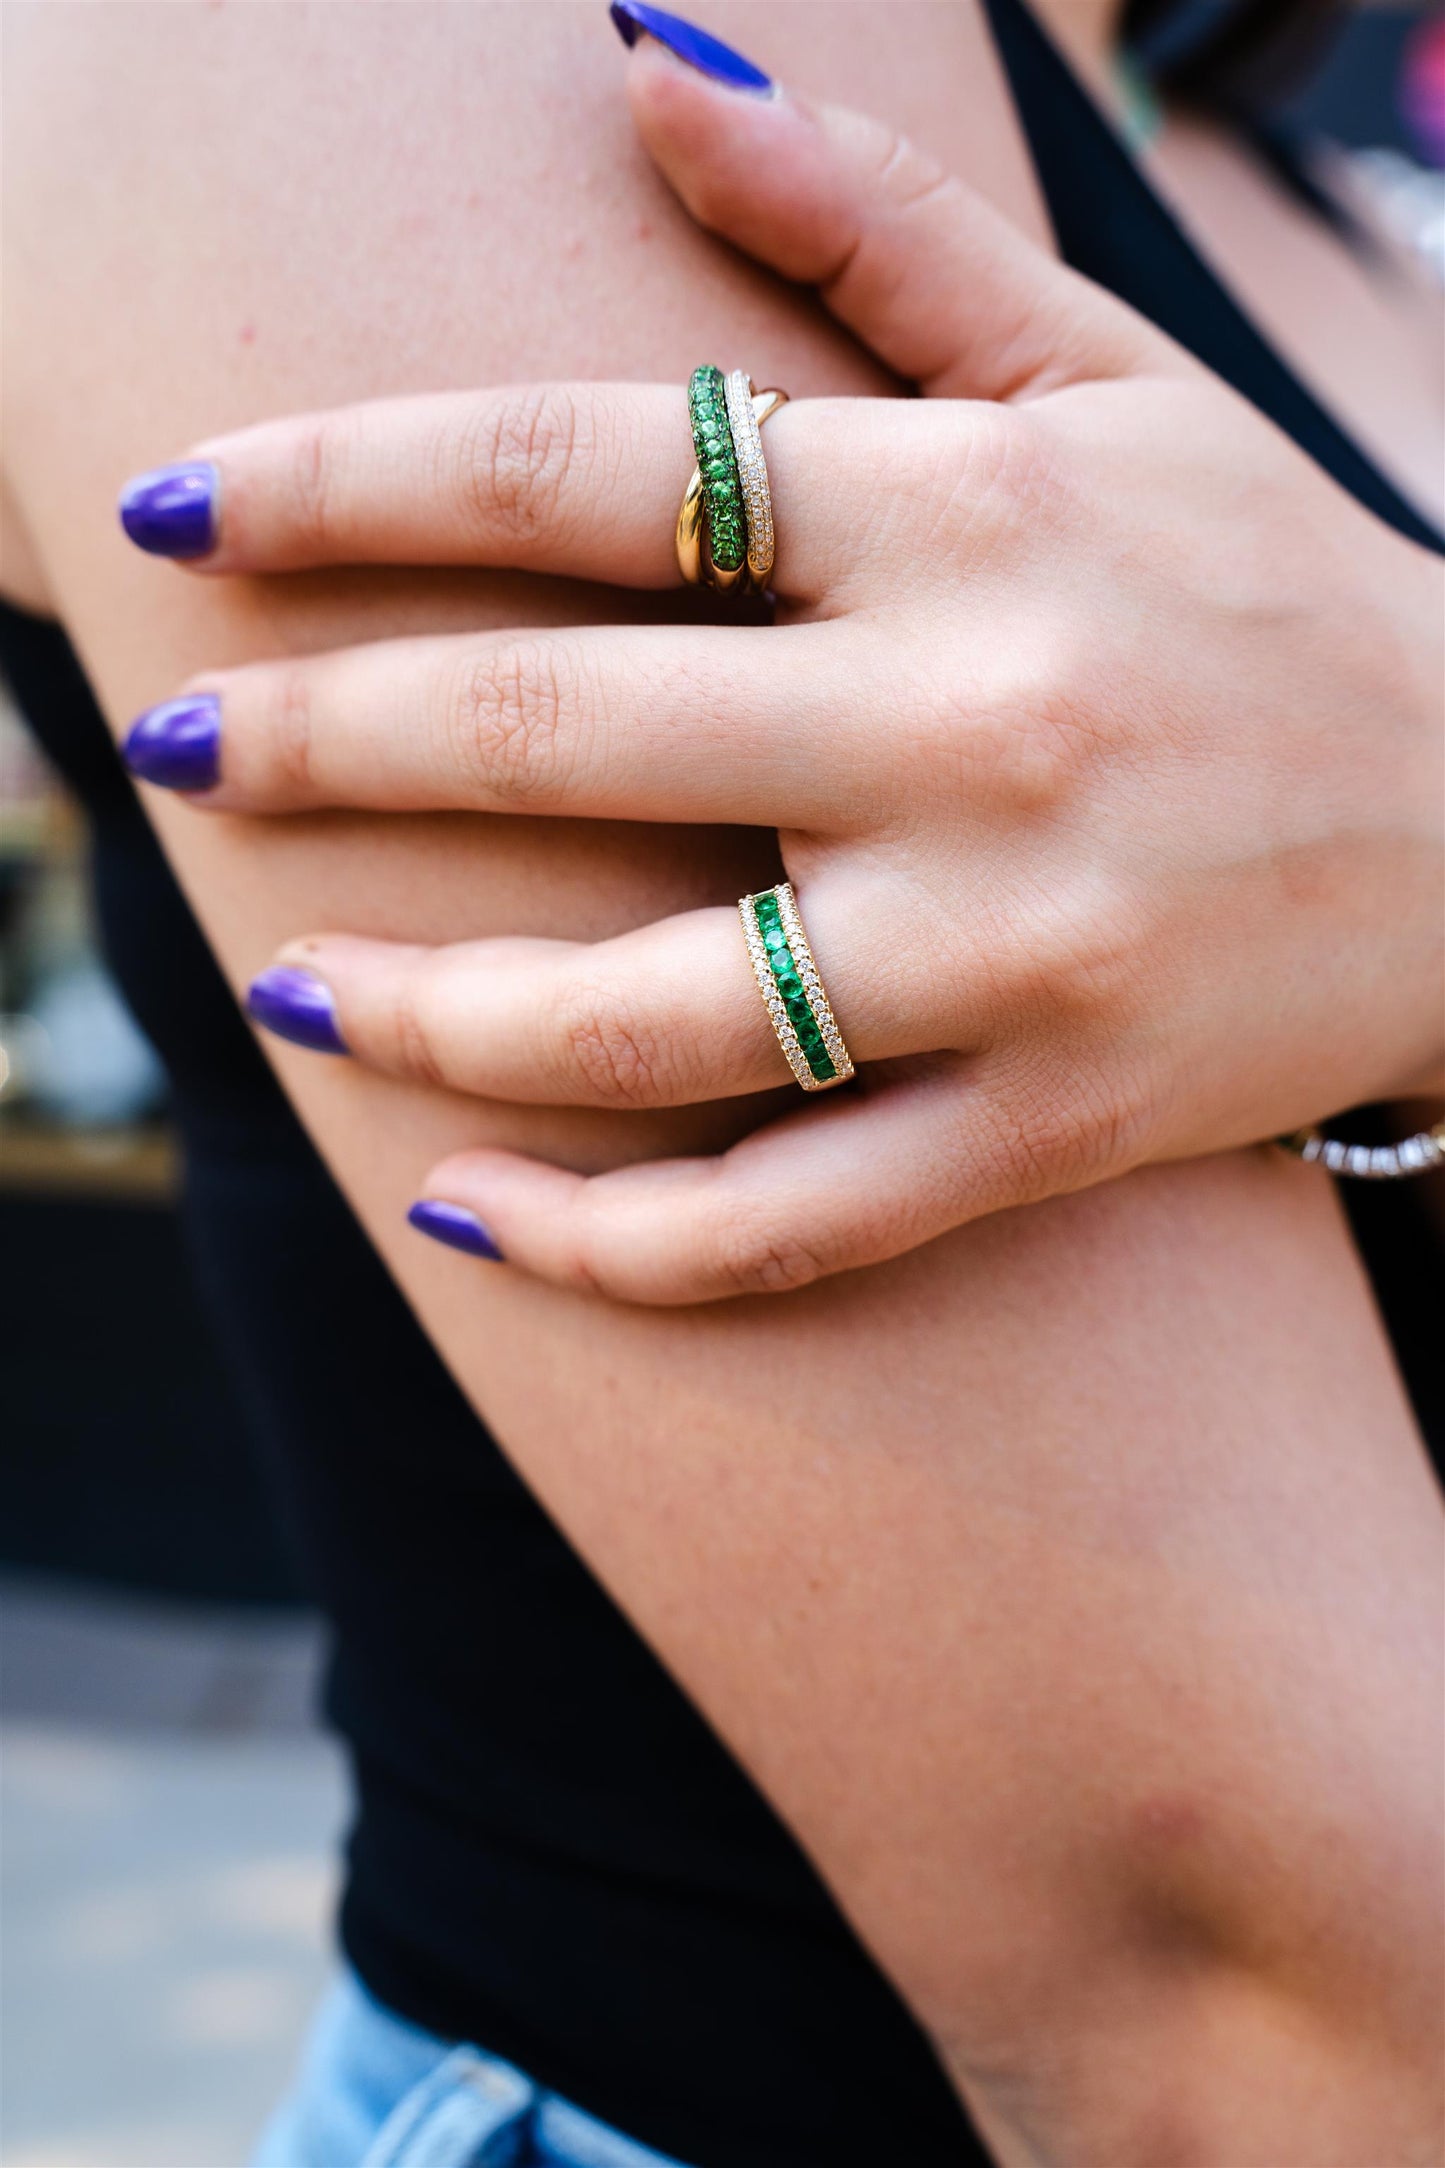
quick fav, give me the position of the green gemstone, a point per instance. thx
(718, 465)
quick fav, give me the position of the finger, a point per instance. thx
(649, 723)
(668, 1015)
(580, 480)
(841, 1183)
(927, 274)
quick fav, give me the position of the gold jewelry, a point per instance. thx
(792, 990)
(729, 491)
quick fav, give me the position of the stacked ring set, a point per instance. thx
(725, 526)
(725, 540)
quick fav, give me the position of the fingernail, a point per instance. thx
(700, 50)
(177, 745)
(455, 1226)
(172, 510)
(298, 1006)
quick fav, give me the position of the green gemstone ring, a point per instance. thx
(725, 526)
(792, 990)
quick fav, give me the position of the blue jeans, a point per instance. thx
(375, 2092)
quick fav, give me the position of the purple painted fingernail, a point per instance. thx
(298, 1006)
(177, 745)
(455, 1226)
(172, 510)
(697, 47)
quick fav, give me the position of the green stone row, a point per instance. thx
(789, 981)
(717, 460)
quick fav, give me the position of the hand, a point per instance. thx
(1098, 728)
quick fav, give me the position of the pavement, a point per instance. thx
(169, 1821)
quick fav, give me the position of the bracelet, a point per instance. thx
(1369, 1162)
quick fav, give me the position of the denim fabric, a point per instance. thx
(375, 2092)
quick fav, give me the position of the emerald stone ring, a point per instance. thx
(792, 990)
(725, 527)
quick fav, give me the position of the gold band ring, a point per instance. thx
(791, 989)
(729, 406)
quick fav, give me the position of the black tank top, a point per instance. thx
(551, 1853)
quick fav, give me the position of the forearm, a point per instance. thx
(942, 1550)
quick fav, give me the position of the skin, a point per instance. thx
(1071, 1583)
(1053, 916)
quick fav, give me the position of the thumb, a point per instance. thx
(936, 282)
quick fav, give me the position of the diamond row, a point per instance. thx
(781, 1021)
(813, 986)
(717, 463)
(757, 497)
(1373, 1163)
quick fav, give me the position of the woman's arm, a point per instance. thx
(1091, 1666)
(1101, 730)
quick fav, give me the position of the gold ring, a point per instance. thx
(791, 989)
(724, 536)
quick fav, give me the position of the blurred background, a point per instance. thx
(168, 1810)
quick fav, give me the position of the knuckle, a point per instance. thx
(514, 461)
(1016, 475)
(1038, 732)
(322, 452)
(605, 1045)
(414, 1027)
(1064, 1128)
(1025, 739)
(908, 178)
(754, 1257)
(1082, 956)
(900, 176)
(1046, 1141)
(292, 731)
(504, 718)
(1014, 488)
(997, 502)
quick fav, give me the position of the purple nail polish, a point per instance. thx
(700, 50)
(455, 1226)
(177, 745)
(298, 1006)
(172, 510)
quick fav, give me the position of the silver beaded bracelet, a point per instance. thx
(1370, 1162)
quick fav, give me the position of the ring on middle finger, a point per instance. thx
(725, 534)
